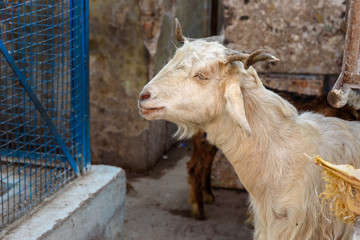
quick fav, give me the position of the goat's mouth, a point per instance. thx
(148, 111)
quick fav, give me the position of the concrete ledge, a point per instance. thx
(90, 207)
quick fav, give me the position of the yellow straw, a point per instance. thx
(337, 183)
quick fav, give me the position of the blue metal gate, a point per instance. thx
(44, 110)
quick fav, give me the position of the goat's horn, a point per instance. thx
(232, 56)
(259, 55)
(178, 32)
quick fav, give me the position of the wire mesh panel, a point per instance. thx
(43, 100)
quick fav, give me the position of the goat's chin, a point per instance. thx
(184, 130)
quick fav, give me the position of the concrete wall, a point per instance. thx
(307, 36)
(77, 211)
(130, 40)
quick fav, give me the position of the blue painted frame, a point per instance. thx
(83, 155)
(44, 100)
(86, 113)
(38, 105)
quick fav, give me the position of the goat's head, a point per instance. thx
(199, 84)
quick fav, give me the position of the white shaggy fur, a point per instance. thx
(260, 133)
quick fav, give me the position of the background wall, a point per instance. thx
(308, 36)
(130, 40)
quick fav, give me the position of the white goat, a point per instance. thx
(207, 86)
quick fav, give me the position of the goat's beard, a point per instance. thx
(185, 131)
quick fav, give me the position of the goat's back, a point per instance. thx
(338, 140)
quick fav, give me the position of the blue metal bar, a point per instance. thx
(85, 77)
(87, 82)
(48, 41)
(73, 77)
(38, 105)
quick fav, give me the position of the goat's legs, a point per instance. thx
(199, 174)
(195, 184)
(207, 160)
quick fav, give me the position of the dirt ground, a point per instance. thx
(157, 206)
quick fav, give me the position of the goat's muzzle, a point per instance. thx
(147, 111)
(144, 96)
(144, 105)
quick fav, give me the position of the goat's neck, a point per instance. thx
(270, 118)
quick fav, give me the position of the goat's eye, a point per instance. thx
(200, 76)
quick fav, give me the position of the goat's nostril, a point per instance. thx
(145, 96)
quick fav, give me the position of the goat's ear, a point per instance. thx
(235, 106)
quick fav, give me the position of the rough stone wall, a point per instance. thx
(130, 40)
(306, 35)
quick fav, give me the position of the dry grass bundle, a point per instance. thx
(342, 187)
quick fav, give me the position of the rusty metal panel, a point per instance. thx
(349, 77)
(296, 83)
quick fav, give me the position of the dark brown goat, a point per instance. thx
(199, 166)
(199, 174)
